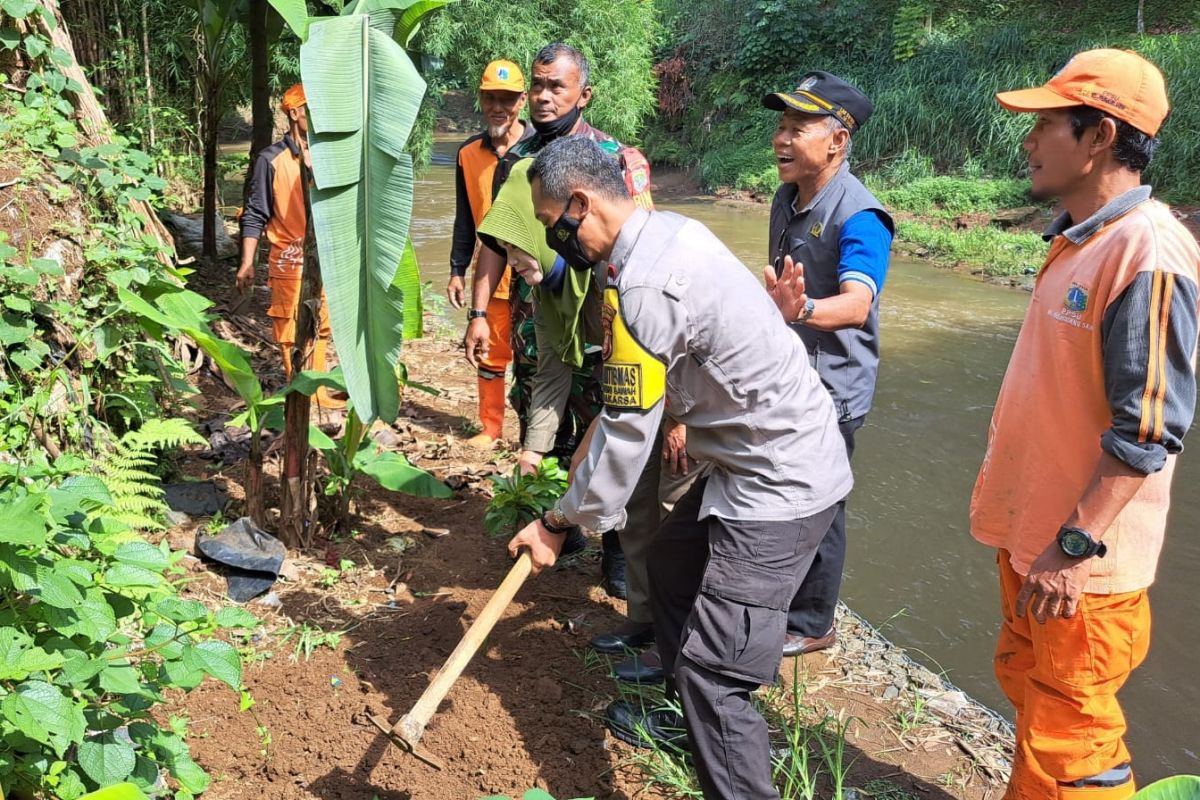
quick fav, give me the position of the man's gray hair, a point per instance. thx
(576, 162)
(832, 125)
(556, 50)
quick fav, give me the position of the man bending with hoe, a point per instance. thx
(276, 205)
(1101, 388)
(689, 329)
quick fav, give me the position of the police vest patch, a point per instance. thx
(633, 378)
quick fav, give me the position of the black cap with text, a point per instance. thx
(824, 93)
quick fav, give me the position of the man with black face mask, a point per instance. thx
(554, 404)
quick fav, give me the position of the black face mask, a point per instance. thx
(563, 238)
(557, 128)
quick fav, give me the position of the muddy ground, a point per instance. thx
(525, 713)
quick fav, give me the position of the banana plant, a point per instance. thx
(363, 97)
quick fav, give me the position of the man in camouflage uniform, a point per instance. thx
(559, 91)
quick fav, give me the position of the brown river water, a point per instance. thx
(913, 568)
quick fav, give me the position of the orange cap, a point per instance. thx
(504, 76)
(1118, 82)
(294, 98)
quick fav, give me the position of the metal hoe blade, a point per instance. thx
(414, 750)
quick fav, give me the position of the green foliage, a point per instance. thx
(91, 634)
(519, 499)
(127, 465)
(952, 196)
(937, 103)
(305, 639)
(617, 36)
(92, 629)
(997, 252)
(1177, 787)
(908, 28)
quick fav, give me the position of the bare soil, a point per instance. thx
(526, 711)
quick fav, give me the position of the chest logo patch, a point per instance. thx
(1076, 299)
(816, 230)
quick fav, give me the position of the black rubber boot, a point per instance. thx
(612, 565)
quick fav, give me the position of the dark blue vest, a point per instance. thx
(847, 360)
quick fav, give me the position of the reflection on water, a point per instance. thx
(912, 564)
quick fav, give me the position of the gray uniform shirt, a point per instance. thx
(736, 375)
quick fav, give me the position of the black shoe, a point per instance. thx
(612, 565)
(657, 728)
(630, 636)
(574, 542)
(643, 668)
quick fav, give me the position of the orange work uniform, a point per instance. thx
(1103, 367)
(276, 206)
(476, 182)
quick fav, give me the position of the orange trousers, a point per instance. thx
(285, 301)
(492, 396)
(1062, 677)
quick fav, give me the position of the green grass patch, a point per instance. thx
(954, 195)
(998, 253)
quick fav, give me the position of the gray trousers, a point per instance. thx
(656, 493)
(720, 591)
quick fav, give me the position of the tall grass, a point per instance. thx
(940, 106)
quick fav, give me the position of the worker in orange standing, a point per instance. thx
(1101, 388)
(501, 98)
(276, 205)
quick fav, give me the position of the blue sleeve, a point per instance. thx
(865, 245)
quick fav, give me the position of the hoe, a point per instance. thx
(406, 734)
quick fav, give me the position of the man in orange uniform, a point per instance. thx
(501, 98)
(276, 205)
(1101, 388)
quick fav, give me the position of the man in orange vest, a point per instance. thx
(501, 98)
(1101, 389)
(276, 206)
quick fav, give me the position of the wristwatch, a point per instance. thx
(1078, 543)
(475, 313)
(555, 521)
(807, 312)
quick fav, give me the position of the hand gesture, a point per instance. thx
(787, 290)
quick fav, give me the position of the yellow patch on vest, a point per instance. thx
(633, 379)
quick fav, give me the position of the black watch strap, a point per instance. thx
(554, 521)
(475, 313)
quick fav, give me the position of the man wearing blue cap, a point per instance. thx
(830, 241)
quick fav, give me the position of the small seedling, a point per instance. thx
(329, 577)
(308, 639)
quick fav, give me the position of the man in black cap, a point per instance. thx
(830, 240)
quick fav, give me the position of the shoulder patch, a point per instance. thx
(633, 378)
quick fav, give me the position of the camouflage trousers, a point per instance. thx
(585, 400)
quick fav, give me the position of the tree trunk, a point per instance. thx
(146, 74)
(260, 87)
(1141, 22)
(296, 518)
(212, 102)
(254, 481)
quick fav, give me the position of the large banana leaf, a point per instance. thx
(363, 97)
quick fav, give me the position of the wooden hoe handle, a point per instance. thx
(411, 726)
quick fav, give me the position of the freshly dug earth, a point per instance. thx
(527, 710)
